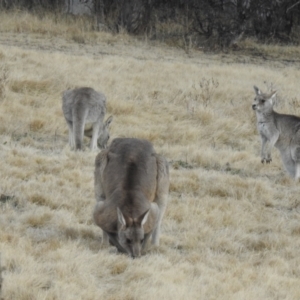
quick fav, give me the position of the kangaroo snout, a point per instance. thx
(135, 251)
(134, 255)
(254, 106)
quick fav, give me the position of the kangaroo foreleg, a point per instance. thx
(146, 238)
(265, 154)
(113, 240)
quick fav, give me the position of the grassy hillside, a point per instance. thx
(231, 230)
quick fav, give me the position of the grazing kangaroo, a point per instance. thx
(81, 106)
(279, 130)
(131, 190)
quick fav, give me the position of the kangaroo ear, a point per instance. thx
(257, 90)
(142, 219)
(121, 217)
(272, 96)
(108, 121)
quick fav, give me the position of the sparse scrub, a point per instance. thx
(78, 38)
(1, 278)
(201, 95)
(36, 125)
(207, 89)
(4, 75)
(30, 86)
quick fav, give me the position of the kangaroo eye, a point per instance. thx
(128, 241)
(263, 101)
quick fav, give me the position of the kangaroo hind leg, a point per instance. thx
(295, 152)
(100, 164)
(162, 193)
(297, 174)
(296, 158)
(98, 218)
(71, 135)
(78, 134)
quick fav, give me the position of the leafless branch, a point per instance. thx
(293, 6)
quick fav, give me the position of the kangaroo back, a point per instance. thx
(126, 177)
(131, 167)
(81, 106)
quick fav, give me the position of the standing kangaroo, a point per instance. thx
(81, 106)
(279, 130)
(131, 190)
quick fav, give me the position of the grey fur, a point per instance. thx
(131, 189)
(279, 130)
(82, 106)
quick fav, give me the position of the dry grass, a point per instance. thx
(231, 230)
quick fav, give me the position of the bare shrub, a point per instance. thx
(4, 74)
(1, 279)
(207, 89)
(202, 93)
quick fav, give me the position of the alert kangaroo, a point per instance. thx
(279, 130)
(131, 190)
(81, 106)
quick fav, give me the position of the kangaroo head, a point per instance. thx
(131, 232)
(263, 102)
(103, 136)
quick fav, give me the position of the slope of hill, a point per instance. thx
(231, 230)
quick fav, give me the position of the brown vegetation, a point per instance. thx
(209, 24)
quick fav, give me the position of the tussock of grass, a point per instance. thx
(4, 77)
(230, 230)
(121, 108)
(36, 125)
(38, 220)
(285, 52)
(30, 86)
(25, 22)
